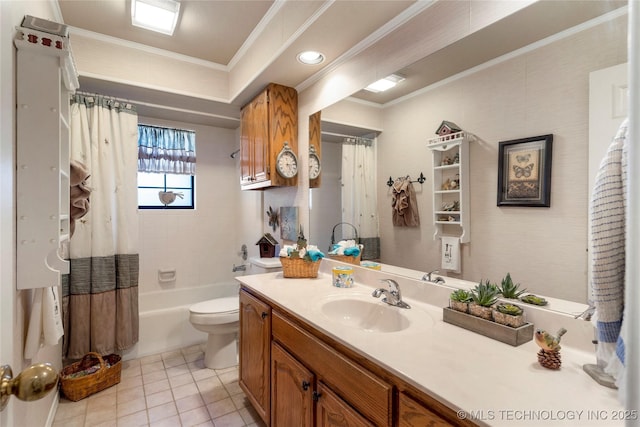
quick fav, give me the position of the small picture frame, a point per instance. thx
(289, 223)
(524, 172)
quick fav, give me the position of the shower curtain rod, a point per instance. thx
(162, 107)
(342, 135)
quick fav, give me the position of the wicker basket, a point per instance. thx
(89, 375)
(299, 268)
(355, 260)
(346, 258)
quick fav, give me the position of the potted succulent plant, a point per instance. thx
(508, 314)
(459, 300)
(483, 296)
(510, 290)
(533, 299)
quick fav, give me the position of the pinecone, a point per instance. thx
(549, 359)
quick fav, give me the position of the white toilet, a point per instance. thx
(220, 318)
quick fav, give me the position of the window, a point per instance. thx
(166, 168)
(150, 184)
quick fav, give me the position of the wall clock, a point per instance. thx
(287, 162)
(314, 163)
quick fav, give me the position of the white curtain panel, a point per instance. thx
(359, 197)
(106, 141)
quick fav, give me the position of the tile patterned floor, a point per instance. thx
(169, 389)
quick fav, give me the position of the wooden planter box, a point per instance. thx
(496, 331)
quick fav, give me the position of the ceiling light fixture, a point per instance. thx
(385, 84)
(155, 15)
(310, 57)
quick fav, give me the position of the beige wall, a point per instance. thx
(544, 91)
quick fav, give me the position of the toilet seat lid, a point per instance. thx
(217, 305)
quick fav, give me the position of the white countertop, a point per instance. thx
(493, 383)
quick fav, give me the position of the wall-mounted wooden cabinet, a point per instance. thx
(315, 150)
(267, 124)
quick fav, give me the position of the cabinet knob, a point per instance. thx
(306, 385)
(264, 314)
(316, 396)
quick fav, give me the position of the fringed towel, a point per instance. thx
(607, 208)
(79, 193)
(405, 207)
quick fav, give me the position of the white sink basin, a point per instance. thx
(373, 316)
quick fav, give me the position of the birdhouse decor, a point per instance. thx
(447, 128)
(267, 245)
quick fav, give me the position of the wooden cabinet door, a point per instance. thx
(332, 411)
(260, 114)
(246, 144)
(255, 338)
(291, 390)
(413, 414)
(315, 141)
(282, 127)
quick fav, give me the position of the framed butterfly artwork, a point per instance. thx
(524, 172)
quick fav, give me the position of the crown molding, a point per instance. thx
(148, 49)
(257, 32)
(388, 28)
(624, 10)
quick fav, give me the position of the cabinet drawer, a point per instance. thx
(367, 393)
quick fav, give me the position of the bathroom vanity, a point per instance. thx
(313, 354)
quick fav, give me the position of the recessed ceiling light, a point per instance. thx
(385, 84)
(310, 57)
(155, 15)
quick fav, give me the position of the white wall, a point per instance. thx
(544, 91)
(203, 244)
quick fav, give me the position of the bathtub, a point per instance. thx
(164, 318)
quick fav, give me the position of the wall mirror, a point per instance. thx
(502, 83)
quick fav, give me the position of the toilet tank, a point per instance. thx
(264, 265)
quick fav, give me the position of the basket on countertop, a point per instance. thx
(355, 260)
(299, 267)
(89, 375)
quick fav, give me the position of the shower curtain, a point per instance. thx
(359, 197)
(100, 294)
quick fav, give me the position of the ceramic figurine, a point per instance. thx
(549, 354)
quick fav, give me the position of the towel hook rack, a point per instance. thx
(421, 179)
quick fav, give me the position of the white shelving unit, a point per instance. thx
(450, 178)
(46, 76)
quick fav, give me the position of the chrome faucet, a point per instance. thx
(427, 277)
(392, 296)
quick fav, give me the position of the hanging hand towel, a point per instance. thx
(45, 321)
(78, 193)
(451, 253)
(607, 210)
(52, 329)
(405, 206)
(34, 331)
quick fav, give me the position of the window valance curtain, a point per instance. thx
(163, 150)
